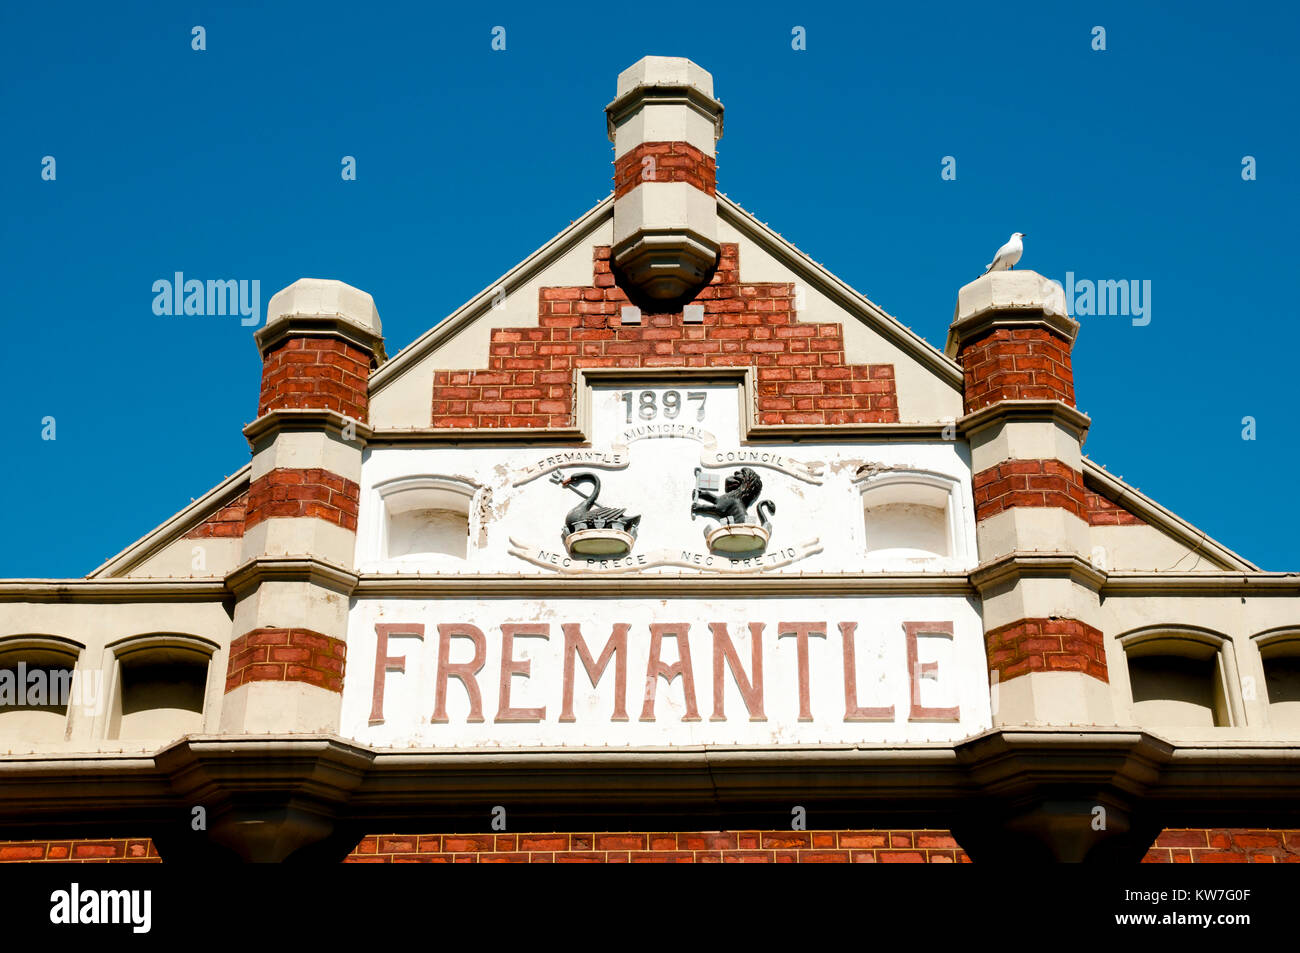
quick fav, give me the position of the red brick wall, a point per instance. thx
(286, 655)
(762, 847)
(1225, 846)
(225, 522)
(673, 162)
(1029, 483)
(1104, 512)
(1016, 364)
(317, 373)
(802, 375)
(1179, 846)
(79, 851)
(1046, 645)
(287, 493)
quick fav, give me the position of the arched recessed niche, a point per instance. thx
(160, 687)
(36, 687)
(1279, 650)
(911, 516)
(1177, 676)
(425, 518)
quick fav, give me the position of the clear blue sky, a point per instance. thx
(225, 164)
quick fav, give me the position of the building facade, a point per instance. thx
(668, 546)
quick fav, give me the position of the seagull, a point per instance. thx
(1007, 255)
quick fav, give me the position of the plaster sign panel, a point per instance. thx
(648, 468)
(958, 677)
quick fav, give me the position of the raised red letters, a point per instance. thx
(385, 663)
(465, 671)
(751, 689)
(510, 667)
(802, 630)
(617, 651)
(916, 671)
(574, 646)
(655, 668)
(851, 710)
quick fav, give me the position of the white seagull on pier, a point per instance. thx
(1007, 255)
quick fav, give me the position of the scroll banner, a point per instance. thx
(618, 456)
(562, 562)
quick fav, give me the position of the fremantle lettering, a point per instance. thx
(618, 457)
(572, 645)
(604, 459)
(576, 457)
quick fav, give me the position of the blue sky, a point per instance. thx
(1118, 164)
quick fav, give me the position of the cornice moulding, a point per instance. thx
(112, 590)
(664, 95)
(291, 419)
(1006, 411)
(474, 436)
(821, 584)
(321, 325)
(351, 782)
(1022, 564)
(1122, 583)
(308, 569)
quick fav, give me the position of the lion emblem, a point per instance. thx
(732, 506)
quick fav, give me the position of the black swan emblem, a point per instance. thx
(587, 515)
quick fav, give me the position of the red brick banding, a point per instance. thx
(1174, 845)
(1104, 512)
(682, 847)
(287, 655)
(1225, 846)
(802, 374)
(286, 492)
(1046, 645)
(673, 162)
(1015, 483)
(316, 373)
(1016, 364)
(122, 850)
(225, 523)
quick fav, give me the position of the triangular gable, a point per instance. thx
(1134, 501)
(580, 236)
(583, 233)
